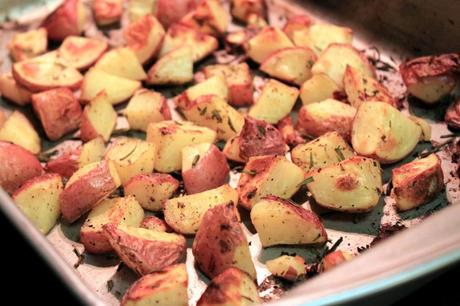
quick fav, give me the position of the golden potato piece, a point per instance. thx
(279, 221)
(220, 242)
(425, 126)
(268, 175)
(266, 42)
(287, 267)
(215, 85)
(209, 17)
(139, 8)
(244, 9)
(184, 214)
(318, 88)
(122, 62)
(28, 44)
(80, 52)
(175, 67)
(98, 119)
(353, 185)
(296, 23)
(417, 182)
(163, 288)
(11, 90)
(380, 131)
(17, 129)
(319, 36)
(328, 149)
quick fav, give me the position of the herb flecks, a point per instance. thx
(261, 130)
(312, 162)
(307, 181)
(203, 111)
(215, 114)
(109, 285)
(195, 160)
(129, 154)
(249, 172)
(339, 152)
(230, 124)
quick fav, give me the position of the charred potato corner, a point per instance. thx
(195, 141)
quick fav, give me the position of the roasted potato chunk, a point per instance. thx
(220, 242)
(140, 8)
(175, 67)
(231, 287)
(266, 42)
(11, 90)
(28, 44)
(184, 214)
(232, 149)
(425, 126)
(429, 78)
(380, 131)
(318, 88)
(208, 17)
(38, 199)
(353, 185)
(296, 23)
(452, 116)
(145, 251)
(287, 267)
(215, 85)
(328, 149)
(279, 221)
(162, 288)
(329, 115)
(122, 62)
(169, 12)
(98, 119)
(17, 129)
(275, 102)
(80, 52)
(243, 9)
(417, 182)
(290, 135)
(107, 11)
(360, 88)
(155, 223)
(116, 211)
(170, 137)
(268, 175)
(68, 19)
(151, 190)
(334, 259)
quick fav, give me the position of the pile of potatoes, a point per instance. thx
(335, 148)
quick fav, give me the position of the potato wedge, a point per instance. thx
(220, 242)
(180, 35)
(131, 156)
(231, 287)
(239, 81)
(336, 57)
(144, 36)
(329, 115)
(213, 112)
(327, 149)
(232, 149)
(360, 88)
(353, 185)
(67, 20)
(266, 42)
(11, 90)
(169, 12)
(145, 251)
(429, 78)
(17, 129)
(279, 221)
(290, 135)
(287, 267)
(58, 110)
(38, 75)
(145, 107)
(204, 167)
(28, 44)
(292, 65)
(318, 88)
(117, 89)
(215, 85)
(122, 62)
(155, 223)
(98, 119)
(209, 17)
(296, 23)
(175, 67)
(80, 52)
(170, 137)
(38, 199)
(86, 188)
(184, 214)
(17, 165)
(417, 182)
(116, 211)
(380, 131)
(334, 259)
(452, 116)
(319, 36)
(107, 12)
(243, 9)
(275, 102)
(162, 288)
(268, 175)
(425, 126)
(151, 190)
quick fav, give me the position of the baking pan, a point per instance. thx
(428, 246)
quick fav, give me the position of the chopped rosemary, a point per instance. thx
(307, 181)
(195, 160)
(129, 154)
(339, 152)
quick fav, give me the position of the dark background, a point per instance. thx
(23, 271)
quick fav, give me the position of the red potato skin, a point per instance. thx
(333, 259)
(107, 12)
(210, 172)
(63, 22)
(144, 256)
(152, 179)
(155, 223)
(87, 131)
(290, 135)
(86, 192)
(77, 50)
(297, 21)
(58, 111)
(452, 116)
(33, 181)
(172, 11)
(17, 165)
(66, 164)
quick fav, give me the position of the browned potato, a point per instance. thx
(328, 149)
(353, 185)
(17, 129)
(452, 116)
(334, 259)
(380, 131)
(11, 90)
(268, 175)
(107, 11)
(318, 88)
(244, 9)
(163, 288)
(80, 52)
(231, 287)
(116, 211)
(156, 224)
(122, 62)
(220, 243)
(290, 135)
(215, 85)
(429, 78)
(279, 221)
(296, 23)
(417, 182)
(145, 251)
(329, 115)
(287, 267)
(68, 19)
(209, 17)
(28, 44)
(266, 42)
